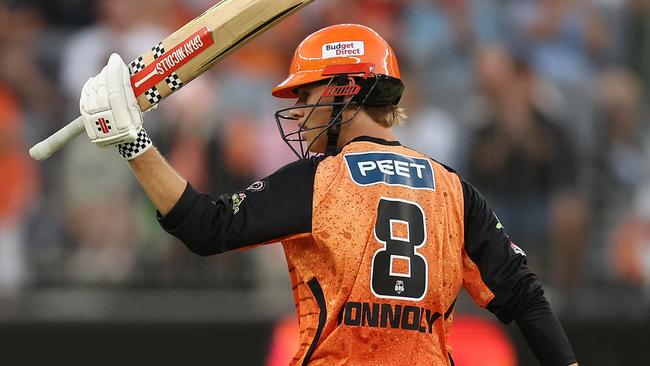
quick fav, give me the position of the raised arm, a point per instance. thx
(277, 207)
(159, 180)
(111, 117)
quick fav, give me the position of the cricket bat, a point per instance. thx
(186, 54)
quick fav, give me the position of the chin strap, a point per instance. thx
(337, 115)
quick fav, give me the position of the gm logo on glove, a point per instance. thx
(391, 169)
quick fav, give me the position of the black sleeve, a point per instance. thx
(544, 334)
(518, 295)
(275, 207)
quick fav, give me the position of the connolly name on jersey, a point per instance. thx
(384, 315)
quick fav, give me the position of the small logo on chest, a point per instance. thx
(399, 286)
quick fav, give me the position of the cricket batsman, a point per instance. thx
(378, 238)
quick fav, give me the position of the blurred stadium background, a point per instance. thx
(542, 104)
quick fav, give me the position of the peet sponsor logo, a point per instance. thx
(343, 49)
(390, 169)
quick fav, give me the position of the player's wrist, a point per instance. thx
(131, 150)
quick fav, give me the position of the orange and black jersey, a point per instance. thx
(379, 240)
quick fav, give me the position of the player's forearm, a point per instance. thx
(158, 179)
(544, 334)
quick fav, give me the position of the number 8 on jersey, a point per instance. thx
(385, 282)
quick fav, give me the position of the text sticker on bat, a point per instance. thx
(171, 61)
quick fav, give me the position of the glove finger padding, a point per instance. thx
(108, 106)
(101, 103)
(116, 92)
(96, 112)
(131, 101)
(83, 107)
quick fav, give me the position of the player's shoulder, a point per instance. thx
(306, 164)
(434, 162)
(297, 172)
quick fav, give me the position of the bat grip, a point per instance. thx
(50, 145)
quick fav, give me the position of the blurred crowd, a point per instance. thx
(542, 104)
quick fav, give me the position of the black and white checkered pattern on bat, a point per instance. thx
(153, 96)
(158, 50)
(131, 150)
(136, 66)
(174, 81)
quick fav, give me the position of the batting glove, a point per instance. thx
(110, 111)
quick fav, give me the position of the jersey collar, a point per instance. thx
(375, 140)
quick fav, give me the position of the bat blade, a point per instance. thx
(201, 43)
(187, 53)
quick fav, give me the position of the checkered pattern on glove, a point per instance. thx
(132, 150)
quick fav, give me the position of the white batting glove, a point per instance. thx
(110, 111)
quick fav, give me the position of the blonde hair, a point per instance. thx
(388, 115)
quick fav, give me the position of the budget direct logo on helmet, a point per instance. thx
(339, 44)
(343, 49)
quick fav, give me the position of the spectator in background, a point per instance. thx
(488, 21)
(251, 71)
(121, 28)
(64, 13)
(520, 158)
(622, 197)
(380, 15)
(629, 249)
(638, 52)
(564, 42)
(18, 185)
(430, 129)
(27, 66)
(195, 125)
(31, 110)
(623, 157)
(93, 256)
(562, 38)
(27, 100)
(436, 42)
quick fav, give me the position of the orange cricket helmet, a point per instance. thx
(341, 44)
(359, 68)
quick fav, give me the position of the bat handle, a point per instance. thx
(50, 145)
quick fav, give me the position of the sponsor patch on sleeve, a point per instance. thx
(390, 169)
(257, 186)
(237, 200)
(515, 248)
